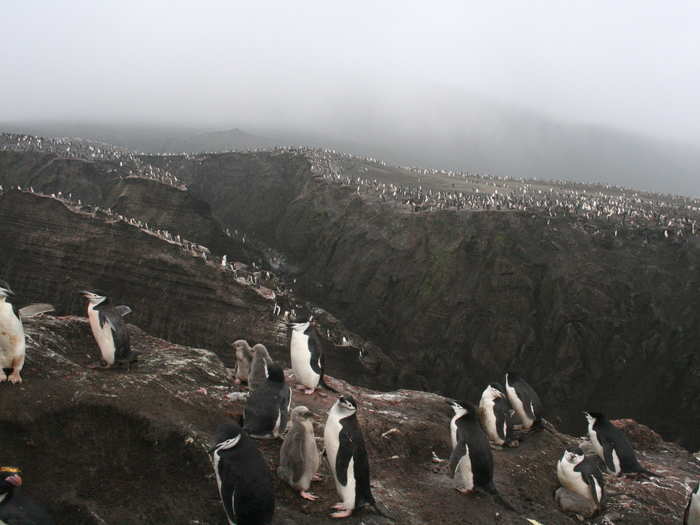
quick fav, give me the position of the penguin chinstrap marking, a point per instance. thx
(267, 409)
(299, 457)
(348, 460)
(691, 516)
(613, 447)
(306, 349)
(496, 416)
(110, 331)
(524, 400)
(12, 339)
(471, 461)
(14, 506)
(243, 355)
(581, 475)
(243, 478)
(259, 367)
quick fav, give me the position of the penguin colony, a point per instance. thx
(505, 415)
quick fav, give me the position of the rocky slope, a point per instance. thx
(109, 447)
(595, 320)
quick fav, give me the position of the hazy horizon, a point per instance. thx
(505, 84)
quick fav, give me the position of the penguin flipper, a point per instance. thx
(591, 481)
(122, 310)
(457, 454)
(345, 453)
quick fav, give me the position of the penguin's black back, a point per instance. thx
(352, 446)
(107, 314)
(607, 432)
(469, 431)
(243, 469)
(263, 406)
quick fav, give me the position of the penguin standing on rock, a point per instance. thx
(581, 475)
(471, 461)
(109, 330)
(243, 355)
(259, 367)
(307, 357)
(15, 508)
(347, 458)
(612, 446)
(12, 340)
(496, 414)
(267, 409)
(692, 510)
(524, 400)
(243, 478)
(299, 457)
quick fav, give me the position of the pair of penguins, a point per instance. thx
(244, 480)
(106, 322)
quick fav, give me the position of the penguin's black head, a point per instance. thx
(347, 403)
(512, 377)
(227, 436)
(597, 416)
(574, 455)
(5, 289)
(275, 374)
(9, 479)
(462, 408)
(94, 296)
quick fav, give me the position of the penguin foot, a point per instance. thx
(309, 391)
(339, 506)
(322, 394)
(342, 514)
(299, 387)
(316, 477)
(464, 491)
(15, 378)
(308, 495)
(3, 377)
(237, 381)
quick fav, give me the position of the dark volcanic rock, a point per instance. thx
(107, 447)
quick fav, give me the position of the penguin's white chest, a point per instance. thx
(488, 420)
(331, 441)
(301, 360)
(517, 405)
(694, 511)
(12, 343)
(103, 336)
(572, 480)
(463, 472)
(453, 431)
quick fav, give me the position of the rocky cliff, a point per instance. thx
(595, 320)
(109, 447)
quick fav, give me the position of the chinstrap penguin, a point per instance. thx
(267, 409)
(259, 367)
(612, 446)
(14, 506)
(243, 355)
(299, 457)
(243, 478)
(691, 516)
(496, 414)
(347, 459)
(471, 461)
(581, 475)
(307, 356)
(12, 340)
(110, 330)
(524, 400)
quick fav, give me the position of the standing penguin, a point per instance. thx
(12, 341)
(299, 458)
(14, 506)
(307, 357)
(259, 367)
(496, 414)
(109, 330)
(347, 458)
(243, 478)
(581, 475)
(267, 409)
(692, 510)
(243, 354)
(524, 400)
(471, 459)
(612, 446)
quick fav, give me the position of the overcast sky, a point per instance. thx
(630, 64)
